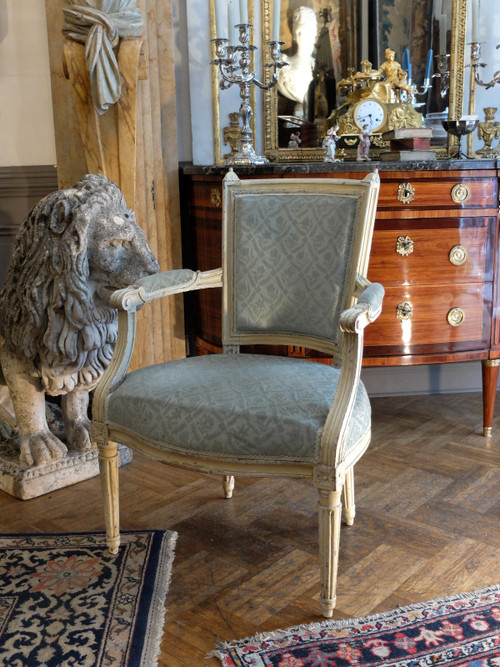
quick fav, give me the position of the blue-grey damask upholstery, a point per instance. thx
(291, 258)
(294, 263)
(234, 407)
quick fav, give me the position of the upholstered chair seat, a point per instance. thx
(295, 258)
(234, 407)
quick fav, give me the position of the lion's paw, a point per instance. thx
(79, 437)
(39, 448)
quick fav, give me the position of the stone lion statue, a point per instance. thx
(57, 329)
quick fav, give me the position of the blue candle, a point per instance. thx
(406, 59)
(409, 71)
(428, 66)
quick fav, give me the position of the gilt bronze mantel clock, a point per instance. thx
(378, 100)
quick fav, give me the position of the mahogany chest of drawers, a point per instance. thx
(435, 249)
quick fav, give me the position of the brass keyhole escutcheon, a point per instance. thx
(458, 255)
(455, 317)
(404, 311)
(215, 197)
(404, 246)
(460, 193)
(406, 193)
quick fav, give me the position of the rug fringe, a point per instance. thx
(223, 647)
(158, 609)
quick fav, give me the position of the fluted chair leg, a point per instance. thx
(329, 515)
(349, 511)
(228, 486)
(108, 464)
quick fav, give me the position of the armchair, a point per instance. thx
(295, 257)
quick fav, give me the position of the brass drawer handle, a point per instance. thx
(404, 245)
(460, 193)
(458, 255)
(455, 317)
(406, 193)
(404, 311)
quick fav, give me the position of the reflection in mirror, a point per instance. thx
(326, 42)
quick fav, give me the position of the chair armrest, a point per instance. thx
(366, 310)
(352, 323)
(163, 284)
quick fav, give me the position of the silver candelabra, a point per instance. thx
(234, 67)
(475, 63)
(443, 72)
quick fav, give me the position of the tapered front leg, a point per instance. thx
(228, 486)
(329, 515)
(108, 466)
(349, 504)
(490, 368)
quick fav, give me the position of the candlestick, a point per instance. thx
(243, 11)
(276, 20)
(219, 23)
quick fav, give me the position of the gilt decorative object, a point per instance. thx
(488, 131)
(58, 329)
(378, 101)
(232, 133)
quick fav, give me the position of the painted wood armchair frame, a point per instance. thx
(332, 473)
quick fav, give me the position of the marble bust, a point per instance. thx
(294, 80)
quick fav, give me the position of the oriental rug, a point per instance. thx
(66, 600)
(462, 630)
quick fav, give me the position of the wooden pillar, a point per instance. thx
(146, 169)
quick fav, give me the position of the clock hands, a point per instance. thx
(362, 118)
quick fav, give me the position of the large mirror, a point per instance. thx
(326, 42)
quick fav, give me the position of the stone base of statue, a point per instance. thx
(26, 482)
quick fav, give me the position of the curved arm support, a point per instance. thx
(352, 323)
(118, 366)
(127, 301)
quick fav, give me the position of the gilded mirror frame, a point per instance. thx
(275, 153)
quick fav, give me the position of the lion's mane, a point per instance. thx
(48, 313)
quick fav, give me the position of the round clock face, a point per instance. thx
(369, 114)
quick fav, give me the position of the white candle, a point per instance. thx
(219, 23)
(474, 21)
(442, 34)
(276, 20)
(243, 11)
(230, 23)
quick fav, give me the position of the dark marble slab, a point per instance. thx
(280, 168)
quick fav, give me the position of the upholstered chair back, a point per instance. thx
(291, 258)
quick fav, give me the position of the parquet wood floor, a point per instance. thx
(427, 525)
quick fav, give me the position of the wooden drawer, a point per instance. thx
(438, 193)
(426, 256)
(428, 324)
